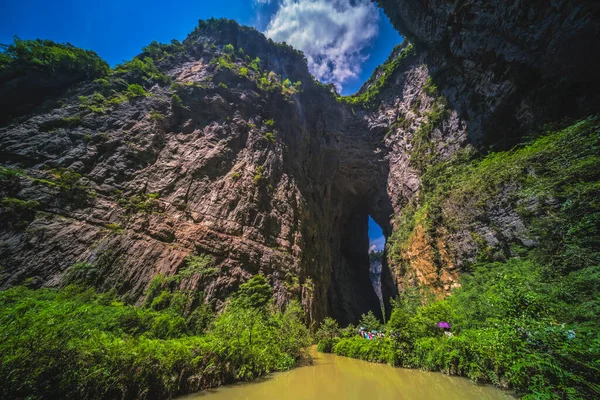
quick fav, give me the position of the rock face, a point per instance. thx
(234, 160)
(507, 66)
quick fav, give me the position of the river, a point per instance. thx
(333, 377)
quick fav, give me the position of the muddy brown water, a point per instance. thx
(333, 377)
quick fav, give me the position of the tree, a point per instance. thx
(369, 321)
(229, 49)
(328, 330)
(254, 294)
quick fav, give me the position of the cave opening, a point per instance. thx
(361, 279)
(376, 256)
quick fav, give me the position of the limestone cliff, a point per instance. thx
(225, 145)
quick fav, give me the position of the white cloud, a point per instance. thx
(331, 33)
(377, 244)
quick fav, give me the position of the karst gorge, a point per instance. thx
(198, 215)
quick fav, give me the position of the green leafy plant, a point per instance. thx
(176, 101)
(259, 174)
(134, 90)
(114, 228)
(56, 341)
(228, 48)
(50, 57)
(269, 137)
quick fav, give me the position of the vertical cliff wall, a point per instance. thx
(225, 145)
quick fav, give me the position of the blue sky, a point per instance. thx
(344, 40)
(376, 238)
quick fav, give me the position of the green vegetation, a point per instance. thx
(430, 88)
(114, 228)
(17, 213)
(65, 122)
(23, 56)
(366, 98)
(75, 343)
(176, 101)
(228, 49)
(96, 103)
(423, 152)
(326, 336)
(223, 85)
(526, 318)
(267, 81)
(142, 203)
(270, 123)
(161, 51)
(269, 137)
(259, 175)
(255, 64)
(141, 71)
(156, 116)
(134, 90)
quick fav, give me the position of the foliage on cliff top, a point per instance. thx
(22, 56)
(367, 97)
(74, 343)
(223, 30)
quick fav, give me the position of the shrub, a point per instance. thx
(141, 71)
(259, 174)
(255, 64)
(134, 90)
(18, 205)
(74, 343)
(269, 137)
(228, 48)
(156, 116)
(51, 57)
(114, 227)
(176, 101)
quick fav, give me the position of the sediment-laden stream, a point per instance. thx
(333, 377)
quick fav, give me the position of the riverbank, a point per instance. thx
(74, 343)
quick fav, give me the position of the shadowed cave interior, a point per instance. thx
(357, 295)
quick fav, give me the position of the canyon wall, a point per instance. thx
(232, 149)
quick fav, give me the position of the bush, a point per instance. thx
(176, 101)
(259, 174)
(135, 90)
(141, 71)
(228, 48)
(269, 137)
(50, 57)
(73, 343)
